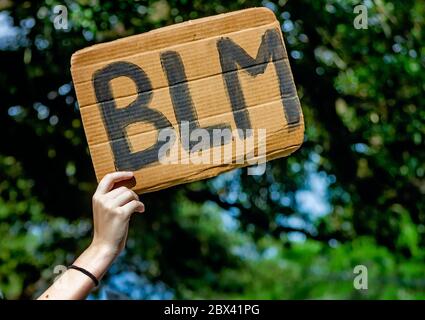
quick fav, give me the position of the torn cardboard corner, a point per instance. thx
(177, 88)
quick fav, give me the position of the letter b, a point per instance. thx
(117, 119)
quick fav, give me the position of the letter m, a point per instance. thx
(271, 50)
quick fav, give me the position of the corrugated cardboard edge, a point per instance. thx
(215, 170)
(260, 15)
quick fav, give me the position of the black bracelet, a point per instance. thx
(88, 274)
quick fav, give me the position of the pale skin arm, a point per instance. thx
(112, 209)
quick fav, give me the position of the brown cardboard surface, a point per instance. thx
(188, 71)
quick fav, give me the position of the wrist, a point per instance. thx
(96, 259)
(103, 249)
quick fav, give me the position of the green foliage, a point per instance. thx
(235, 236)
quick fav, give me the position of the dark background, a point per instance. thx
(352, 195)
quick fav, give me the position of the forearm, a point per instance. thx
(112, 209)
(73, 284)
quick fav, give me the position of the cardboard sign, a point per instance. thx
(189, 101)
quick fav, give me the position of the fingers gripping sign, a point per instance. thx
(112, 209)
